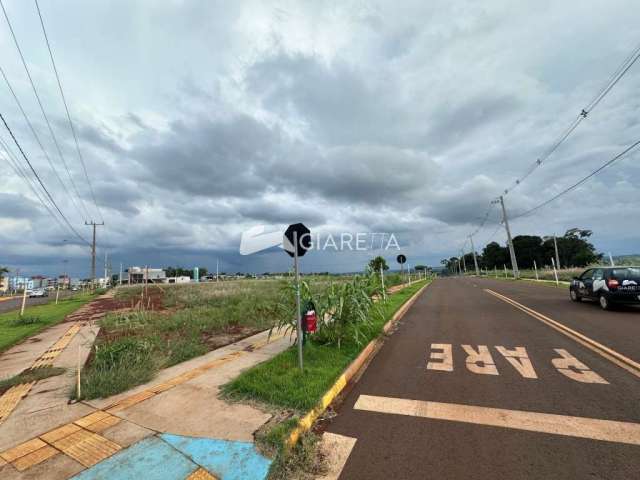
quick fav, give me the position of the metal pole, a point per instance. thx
(217, 265)
(57, 292)
(464, 261)
(536, 269)
(384, 295)
(505, 271)
(120, 278)
(611, 260)
(512, 253)
(555, 272)
(475, 260)
(555, 245)
(298, 313)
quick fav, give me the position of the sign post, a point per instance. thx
(296, 242)
(401, 259)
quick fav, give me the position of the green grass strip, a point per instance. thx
(279, 382)
(14, 329)
(30, 376)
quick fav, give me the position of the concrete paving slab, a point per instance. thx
(127, 433)
(226, 460)
(60, 467)
(151, 459)
(173, 411)
(21, 356)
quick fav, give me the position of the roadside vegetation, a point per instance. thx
(280, 384)
(14, 328)
(30, 376)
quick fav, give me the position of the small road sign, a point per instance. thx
(401, 259)
(297, 237)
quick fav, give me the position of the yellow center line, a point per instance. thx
(604, 351)
(581, 427)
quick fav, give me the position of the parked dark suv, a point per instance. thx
(607, 285)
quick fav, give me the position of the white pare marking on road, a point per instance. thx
(336, 449)
(444, 355)
(519, 359)
(579, 373)
(582, 427)
(481, 361)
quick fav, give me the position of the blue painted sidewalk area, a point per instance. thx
(175, 457)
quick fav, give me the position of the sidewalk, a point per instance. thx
(176, 423)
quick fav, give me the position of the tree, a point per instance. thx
(529, 248)
(3, 270)
(495, 256)
(376, 263)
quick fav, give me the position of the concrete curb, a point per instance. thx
(305, 423)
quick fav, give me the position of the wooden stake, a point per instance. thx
(78, 389)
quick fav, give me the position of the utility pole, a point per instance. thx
(555, 245)
(512, 253)
(217, 265)
(475, 260)
(464, 262)
(93, 250)
(120, 277)
(105, 269)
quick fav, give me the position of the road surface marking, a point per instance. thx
(446, 365)
(568, 364)
(336, 449)
(481, 361)
(581, 427)
(519, 359)
(606, 352)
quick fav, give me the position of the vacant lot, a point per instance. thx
(173, 323)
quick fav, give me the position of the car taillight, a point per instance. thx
(613, 283)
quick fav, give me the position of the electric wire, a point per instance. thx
(66, 108)
(580, 182)
(15, 166)
(44, 115)
(73, 230)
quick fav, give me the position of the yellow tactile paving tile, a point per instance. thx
(201, 474)
(87, 448)
(103, 424)
(10, 399)
(22, 450)
(59, 433)
(34, 458)
(130, 401)
(91, 418)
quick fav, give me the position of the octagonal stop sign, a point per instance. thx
(297, 237)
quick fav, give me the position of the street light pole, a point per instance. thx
(475, 260)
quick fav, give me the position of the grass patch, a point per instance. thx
(14, 329)
(134, 346)
(280, 383)
(30, 376)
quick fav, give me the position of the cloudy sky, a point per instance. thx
(200, 119)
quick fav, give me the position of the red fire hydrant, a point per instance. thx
(310, 321)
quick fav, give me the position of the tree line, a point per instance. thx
(574, 250)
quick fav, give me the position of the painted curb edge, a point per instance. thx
(365, 355)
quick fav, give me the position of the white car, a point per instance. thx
(38, 292)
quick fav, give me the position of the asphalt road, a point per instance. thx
(15, 303)
(418, 412)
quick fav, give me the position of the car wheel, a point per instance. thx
(574, 296)
(605, 303)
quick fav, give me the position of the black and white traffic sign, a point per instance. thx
(401, 259)
(297, 236)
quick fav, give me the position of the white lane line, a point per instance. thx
(591, 428)
(336, 449)
(604, 351)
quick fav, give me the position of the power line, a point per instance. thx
(66, 108)
(41, 183)
(613, 80)
(44, 115)
(581, 181)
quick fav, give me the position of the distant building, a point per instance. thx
(178, 279)
(4, 285)
(142, 274)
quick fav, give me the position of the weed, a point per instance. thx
(25, 320)
(30, 376)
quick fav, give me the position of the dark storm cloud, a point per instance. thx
(18, 206)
